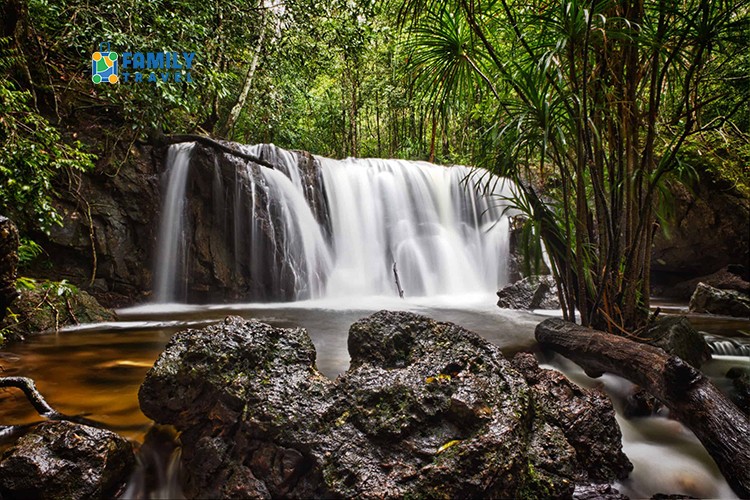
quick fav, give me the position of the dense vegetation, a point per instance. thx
(590, 106)
(600, 97)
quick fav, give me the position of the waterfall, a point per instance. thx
(443, 238)
(314, 227)
(169, 273)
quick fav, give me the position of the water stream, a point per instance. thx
(96, 370)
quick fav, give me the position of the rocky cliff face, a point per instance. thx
(709, 230)
(235, 242)
(118, 210)
(111, 225)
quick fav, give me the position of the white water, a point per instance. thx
(171, 250)
(443, 236)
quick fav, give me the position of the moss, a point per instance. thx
(538, 484)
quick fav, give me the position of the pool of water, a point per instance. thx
(96, 370)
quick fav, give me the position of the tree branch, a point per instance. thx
(40, 404)
(211, 143)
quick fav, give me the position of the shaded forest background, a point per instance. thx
(345, 78)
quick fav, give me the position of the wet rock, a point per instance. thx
(677, 336)
(584, 416)
(228, 200)
(534, 292)
(597, 492)
(740, 394)
(63, 460)
(426, 409)
(8, 263)
(707, 299)
(727, 278)
(639, 403)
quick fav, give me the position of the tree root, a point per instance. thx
(28, 387)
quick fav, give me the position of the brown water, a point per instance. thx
(96, 370)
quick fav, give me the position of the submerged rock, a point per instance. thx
(534, 292)
(64, 460)
(640, 403)
(707, 299)
(426, 409)
(597, 492)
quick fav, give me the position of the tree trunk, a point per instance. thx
(234, 114)
(691, 398)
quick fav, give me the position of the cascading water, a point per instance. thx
(170, 254)
(331, 228)
(426, 219)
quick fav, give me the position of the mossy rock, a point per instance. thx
(44, 310)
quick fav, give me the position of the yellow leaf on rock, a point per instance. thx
(448, 445)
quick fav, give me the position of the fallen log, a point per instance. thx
(690, 396)
(211, 143)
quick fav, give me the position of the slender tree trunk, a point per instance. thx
(234, 114)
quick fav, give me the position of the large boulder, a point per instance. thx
(426, 409)
(707, 231)
(707, 299)
(675, 335)
(534, 292)
(64, 460)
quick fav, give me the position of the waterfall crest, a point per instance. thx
(315, 227)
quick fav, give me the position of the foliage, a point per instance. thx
(33, 154)
(28, 250)
(593, 108)
(44, 305)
